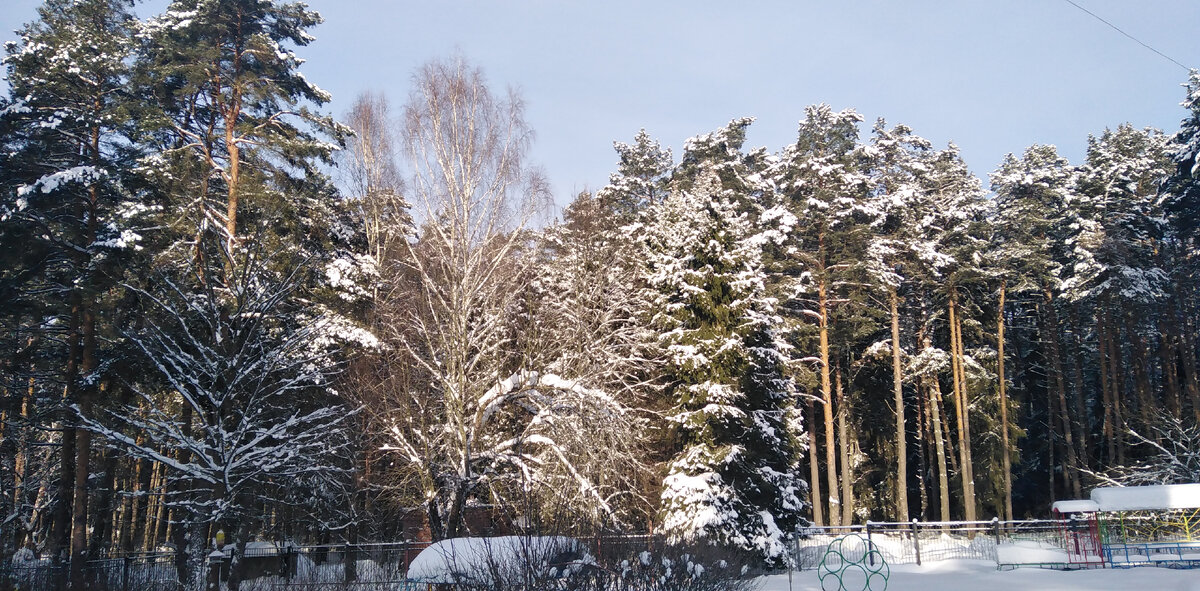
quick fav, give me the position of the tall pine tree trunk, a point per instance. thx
(962, 410)
(1050, 333)
(60, 536)
(831, 481)
(1116, 384)
(1141, 379)
(179, 492)
(847, 497)
(1108, 422)
(1189, 355)
(922, 451)
(934, 400)
(1082, 420)
(20, 461)
(105, 517)
(814, 469)
(1002, 382)
(83, 448)
(898, 394)
(1170, 371)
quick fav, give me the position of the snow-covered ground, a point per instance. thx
(981, 575)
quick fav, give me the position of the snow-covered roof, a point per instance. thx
(1143, 498)
(1075, 506)
(482, 560)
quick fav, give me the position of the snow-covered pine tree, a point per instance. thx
(821, 180)
(641, 179)
(1120, 229)
(1180, 201)
(1032, 223)
(68, 224)
(897, 164)
(231, 115)
(733, 482)
(956, 239)
(1117, 253)
(1181, 194)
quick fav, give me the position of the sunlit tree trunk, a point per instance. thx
(831, 480)
(962, 409)
(814, 469)
(934, 401)
(844, 438)
(1002, 383)
(898, 395)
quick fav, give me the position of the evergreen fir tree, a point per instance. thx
(732, 483)
(641, 178)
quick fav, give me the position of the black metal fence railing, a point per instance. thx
(365, 567)
(148, 572)
(317, 568)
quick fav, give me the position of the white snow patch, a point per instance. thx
(484, 560)
(1144, 498)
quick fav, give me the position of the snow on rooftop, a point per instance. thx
(1143, 498)
(1075, 506)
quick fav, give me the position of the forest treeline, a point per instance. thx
(223, 310)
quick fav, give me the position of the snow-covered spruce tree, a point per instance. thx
(733, 481)
(640, 181)
(256, 381)
(67, 222)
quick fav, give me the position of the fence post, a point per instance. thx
(870, 556)
(216, 560)
(125, 573)
(916, 541)
(349, 564)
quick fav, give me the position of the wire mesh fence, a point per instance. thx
(917, 542)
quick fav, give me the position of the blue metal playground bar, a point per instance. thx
(1182, 554)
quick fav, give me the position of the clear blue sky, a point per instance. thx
(993, 77)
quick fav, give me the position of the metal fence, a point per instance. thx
(917, 542)
(321, 567)
(366, 567)
(361, 567)
(148, 572)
